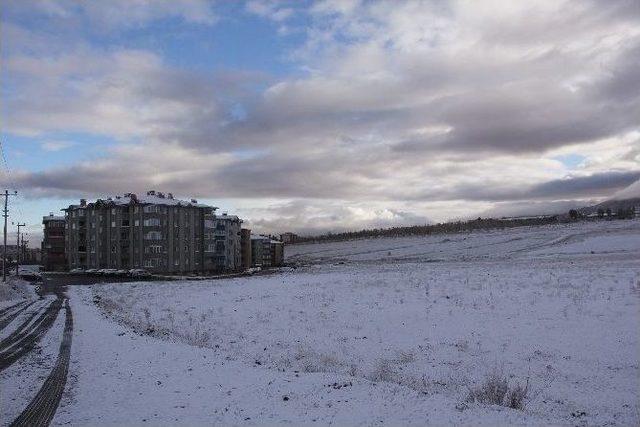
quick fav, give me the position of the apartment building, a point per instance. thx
(225, 242)
(53, 243)
(156, 232)
(245, 248)
(266, 252)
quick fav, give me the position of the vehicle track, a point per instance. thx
(23, 341)
(43, 407)
(6, 342)
(11, 307)
(11, 316)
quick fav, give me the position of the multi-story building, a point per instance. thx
(156, 232)
(245, 248)
(223, 241)
(53, 243)
(266, 252)
(288, 237)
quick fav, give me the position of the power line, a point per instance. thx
(9, 175)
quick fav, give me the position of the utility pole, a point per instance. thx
(18, 248)
(5, 215)
(23, 248)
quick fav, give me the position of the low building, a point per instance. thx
(156, 232)
(53, 243)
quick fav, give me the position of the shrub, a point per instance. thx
(495, 390)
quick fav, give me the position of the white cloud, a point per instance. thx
(409, 110)
(56, 145)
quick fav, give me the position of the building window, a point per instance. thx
(113, 223)
(153, 249)
(153, 235)
(136, 222)
(152, 222)
(113, 211)
(150, 209)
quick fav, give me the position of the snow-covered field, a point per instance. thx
(398, 331)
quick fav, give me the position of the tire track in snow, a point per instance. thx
(42, 408)
(11, 307)
(20, 343)
(4, 322)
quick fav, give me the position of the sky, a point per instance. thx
(322, 116)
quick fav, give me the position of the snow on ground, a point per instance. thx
(381, 330)
(21, 381)
(122, 378)
(15, 290)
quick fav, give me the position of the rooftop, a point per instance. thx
(150, 198)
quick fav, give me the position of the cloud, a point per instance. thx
(115, 14)
(389, 105)
(630, 192)
(269, 9)
(56, 145)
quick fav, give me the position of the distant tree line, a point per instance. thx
(440, 228)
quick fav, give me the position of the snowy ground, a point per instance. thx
(393, 331)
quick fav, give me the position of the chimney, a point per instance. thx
(83, 202)
(161, 195)
(170, 196)
(194, 201)
(151, 193)
(134, 197)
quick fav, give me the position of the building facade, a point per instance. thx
(266, 252)
(53, 243)
(288, 238)
(224, 242)
(155, 232)
(245, 248)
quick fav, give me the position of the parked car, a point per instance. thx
(107, 271)
(138, 272)
(77, 270)
(91, 271)
(122, 272)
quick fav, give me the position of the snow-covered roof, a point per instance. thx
(228, 217)
(259, 237)
(52, 218)
(151, 198)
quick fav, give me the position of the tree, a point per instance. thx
(600, 213)
(573, 214)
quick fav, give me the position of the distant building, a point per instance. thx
(245, 248)
(156, 232)
(53, 243)
(260, 251)
(288, 238)
(277, 253)
(266, 252)
(226, 242)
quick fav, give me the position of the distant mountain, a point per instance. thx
(614, 205)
